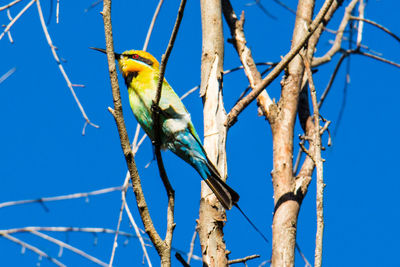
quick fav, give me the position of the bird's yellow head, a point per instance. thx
(132, 62)
(136, 61)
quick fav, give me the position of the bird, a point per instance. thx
(141, 72)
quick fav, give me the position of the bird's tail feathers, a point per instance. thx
(224, 193)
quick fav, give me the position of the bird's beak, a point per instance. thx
(117, 56)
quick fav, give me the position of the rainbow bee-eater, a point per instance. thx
(141, 73)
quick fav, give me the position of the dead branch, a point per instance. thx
(382, 59)
(60, 66)
(242, 104)
(8, 27)
(312, 43)
(153, 20)
(30, 229)
(166, 253)
(9, 5)
(339, 37)
(146, 42)
(379, 26)
(244, 53)
(243, 260)
(124, 206)
(319, 164)
(69, 247)
(7, 74)
(361, 9)
(34, 249)
(62, 197)
(190, 254)
(124, 139)
(331, 80)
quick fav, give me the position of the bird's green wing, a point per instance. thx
(172, 105)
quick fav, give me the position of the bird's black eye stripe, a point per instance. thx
(142, 59)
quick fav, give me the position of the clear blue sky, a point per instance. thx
(42, 151)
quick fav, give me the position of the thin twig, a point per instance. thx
(165, 56)
(243, 260)
(303, 256)
(291, 10)
(9, 32)
(9, 5)
(137, 231)
(69, 247)
(357, 52)
(153, 20)
(263, 9)
(361, 9)
(123, 198)
(298, 158)
(16, 18)
(58, 12)
(60, 66)
(30, 229)
(7, 74)
(319, 165)
(92, 230)
(331, 80)
(165, 253)
(339, 37)
(96, 3)
(378, 26)
(305, 150)
(62, 197)
(124, 139)
(34, 249)
(146, 42)
(190, 254)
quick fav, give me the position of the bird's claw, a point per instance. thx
(155, 108)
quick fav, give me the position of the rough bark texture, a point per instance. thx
(212, 214)
(286, 199)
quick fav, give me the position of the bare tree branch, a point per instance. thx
(60, 66)
(331, 80)
(92, 230)
(69, 247)
(379, 26)
(358, 52)
(16, 17)
(34, 249)
(124, 206)
(7, 74)
(9, 5)
(190, 254)
(339, 37)
(243, 260)
(242, 104)
(244, 53)
(316, 139)
(124, 139)
(153, 20)
(62, 197)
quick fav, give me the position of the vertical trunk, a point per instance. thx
(287, 201)
(212, 214)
